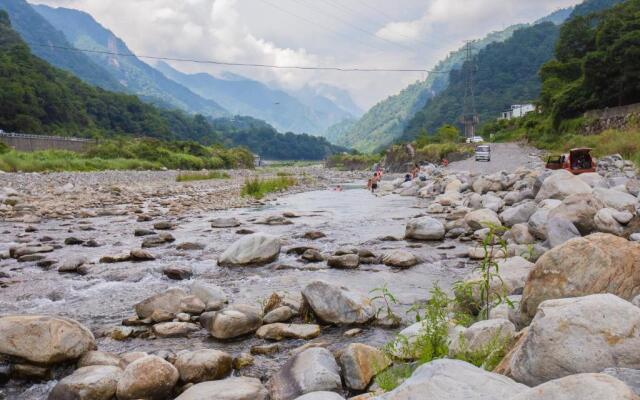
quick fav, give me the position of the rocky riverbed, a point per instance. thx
(148, 292)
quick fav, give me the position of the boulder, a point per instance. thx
(44, 339)
(580, 387)
(521, 235)
(279, 314)
(599, 263)
(480, 335)
(606, 222)
(168, 301)
(616, 199)
(492, 202)
(559, 231)
(360, 363)
(561, 184)
(399, 259)
(174, 329)
(338, 305)
(345, 261)
(321, 396)
(482, 218)
(489, 183)
(513, 275)
(424, 228)
(454, 380)
(577, 335)
(518, 214)
(631, 377)
(255, 249)
(517, 196)
(95, 357)
(538, 223)
(227, 389)
(280, 331)
(580, 210)
(310, 371)
(222, 222)
(148, 377)
(96, 382)
(594, 179)
(178, 272)
(212, 296)
(203, 365)
(235, 321)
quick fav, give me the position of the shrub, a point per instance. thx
(258, 188)
(199, 176)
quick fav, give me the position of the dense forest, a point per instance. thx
(38, 98)
(505, 73)
(596, 64)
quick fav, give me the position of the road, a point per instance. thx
(504, 157)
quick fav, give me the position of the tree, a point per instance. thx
(423, 138)
(448, 134)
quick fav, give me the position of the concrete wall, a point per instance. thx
(25, 142)
(622, 118)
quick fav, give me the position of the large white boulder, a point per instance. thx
(482, 218)
(149, 377)
(227, 389)
(454, 380)
(425, 228)
(44, 339)
(338, 305)
(577, 335)
(616, 199)
(580, 387)
(254, 249)
(97, 382)
(561, 184)
(232, 322)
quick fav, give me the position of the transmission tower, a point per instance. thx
(470, 118)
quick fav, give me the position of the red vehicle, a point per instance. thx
(578, 161)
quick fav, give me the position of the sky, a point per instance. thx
(388, 34)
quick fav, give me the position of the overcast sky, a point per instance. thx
(347, 33)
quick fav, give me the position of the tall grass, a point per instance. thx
(59, 160)
(258, 188)
(200, 176)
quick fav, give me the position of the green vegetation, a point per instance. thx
(258, 188)
(388, 299)
(393, 376)
(384, 123)
(505, 73)
(352, 162)
(199, 176)
(121, 154)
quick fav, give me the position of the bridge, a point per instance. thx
(29, 142)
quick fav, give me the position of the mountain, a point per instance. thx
(386, 121)
(340, 97)
(592, 6)
(133, 74)
(558, 17)
(304, 111)
(505, 73)
(42, 37)
(38, 98)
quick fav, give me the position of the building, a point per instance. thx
(518, 111)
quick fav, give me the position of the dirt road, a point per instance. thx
(504, 157)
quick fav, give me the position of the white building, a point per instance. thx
(518, 111)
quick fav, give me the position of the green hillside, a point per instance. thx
(506, 73)
(385, 122)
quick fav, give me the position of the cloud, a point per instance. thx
(310, 32)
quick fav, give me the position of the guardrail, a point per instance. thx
(32, 142)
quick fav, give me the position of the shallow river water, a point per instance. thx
(105, 296)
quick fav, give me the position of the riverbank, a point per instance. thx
(76, 195)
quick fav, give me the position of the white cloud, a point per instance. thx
(259, 31)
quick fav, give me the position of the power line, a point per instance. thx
(358, 28)
(214, 62)
(312, 22)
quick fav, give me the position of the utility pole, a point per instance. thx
(470, 118)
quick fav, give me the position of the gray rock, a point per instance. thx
(399, 259)
(521, 234)
(168, 301)
(225, 222)
(425, 228)
(578, 335)
(480, 335)
(561, 184)
(338, 305)
(492, 202)
(279, 314)
(178, 272)
(321, 396)
(235, 321)
(580, 210)
(227, 389)
(559, 231)
(345, 261)
(44, 340)
(91, 358)
(360, 363)
(280, 331)
(212, 296)
(88, 383)
(482, 218)
(631, 377)
(310, 371)
(255, 249)
(580, 387)
(174, 329)
(454, 380)
(203, 365)
(518, 214)
(616, 199)
(538, 223)
(149, 377)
